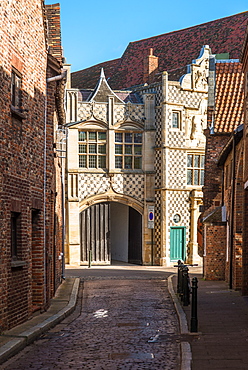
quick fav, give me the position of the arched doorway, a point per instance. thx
(111, 231)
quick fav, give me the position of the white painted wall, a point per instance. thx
(119, 214)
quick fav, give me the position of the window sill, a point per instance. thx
(17, 263)
(17, 112)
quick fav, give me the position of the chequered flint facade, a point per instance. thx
(171, 116)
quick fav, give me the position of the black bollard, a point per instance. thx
(194, 319)
(179, 276)
(186, 287)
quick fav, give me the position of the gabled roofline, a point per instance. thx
(101, 79)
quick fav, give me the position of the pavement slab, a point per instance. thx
(222, 338)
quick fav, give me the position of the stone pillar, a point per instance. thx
(74, 233)
(73, 226)
(68, 77)
(164, 259)
(196, 199)
(149, 173)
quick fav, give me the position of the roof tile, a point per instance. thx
(174, 50)
(229, 96)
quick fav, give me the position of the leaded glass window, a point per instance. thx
(128, 150)
(92, 149)
(195, 169)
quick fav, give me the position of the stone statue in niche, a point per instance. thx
(196, 129)
(201, 79)
(188, 127)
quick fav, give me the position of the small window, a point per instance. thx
(176, 119)
(15, 234)
(16, 85)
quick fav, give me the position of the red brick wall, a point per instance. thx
(224, 253)
(29, 281)
(213, 174)
(214, 260)
(150, 67)
(245, 70)
(238, 219)
(214, 234)
(54, 30)
(237, 213)
(245, 199)
(245, 245)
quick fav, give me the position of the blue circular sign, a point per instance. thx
(151, 216)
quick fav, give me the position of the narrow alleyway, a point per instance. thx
(123, 320)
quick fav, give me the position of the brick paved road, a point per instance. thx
(118, 324)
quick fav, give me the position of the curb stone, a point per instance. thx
(186, 353)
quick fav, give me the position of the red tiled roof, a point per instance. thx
(174, 50)
(229, 97)
(88, 78)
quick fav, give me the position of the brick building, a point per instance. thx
(223, 187)
(245, 179)
(30, 190)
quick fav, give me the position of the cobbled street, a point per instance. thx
(123, 320)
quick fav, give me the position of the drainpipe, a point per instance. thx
(232, 216)
(58, 77)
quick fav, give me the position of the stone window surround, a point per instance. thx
(195, 172)
(92, 151)
(176, 119)
(126, 151)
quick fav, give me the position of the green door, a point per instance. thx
(177, 243)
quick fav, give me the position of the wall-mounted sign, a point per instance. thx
(150, 217)
(176, 218)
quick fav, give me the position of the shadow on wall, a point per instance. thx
(22, 172)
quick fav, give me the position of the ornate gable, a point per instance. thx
(103, 91)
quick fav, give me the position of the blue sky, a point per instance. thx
(97, 31)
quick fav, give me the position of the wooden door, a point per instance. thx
(95, 233)
(177, 243)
